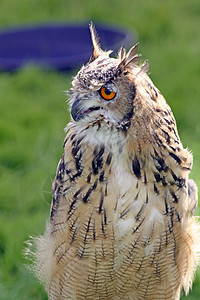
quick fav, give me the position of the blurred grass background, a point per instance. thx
(33, 112)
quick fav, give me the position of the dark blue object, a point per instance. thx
(60, 47)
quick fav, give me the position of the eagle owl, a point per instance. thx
(121, 223)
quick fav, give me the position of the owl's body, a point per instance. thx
(121, 219)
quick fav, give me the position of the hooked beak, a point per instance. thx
(78, 112)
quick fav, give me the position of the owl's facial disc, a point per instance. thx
(83, 104)
(111, 103)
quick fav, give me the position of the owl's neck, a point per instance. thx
(101, 133)
(144, 144)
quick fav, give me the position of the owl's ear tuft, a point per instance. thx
(121, 53)
(129, 59)
(95, 42)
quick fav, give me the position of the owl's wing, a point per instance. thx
(193, 195)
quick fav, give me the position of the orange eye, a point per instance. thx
(107, 93)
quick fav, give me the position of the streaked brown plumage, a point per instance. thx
(122, 224)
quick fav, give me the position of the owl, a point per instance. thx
(121, 221)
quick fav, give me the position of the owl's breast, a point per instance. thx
(115, 229)
(138, 208)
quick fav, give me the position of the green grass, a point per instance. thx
(33, 112)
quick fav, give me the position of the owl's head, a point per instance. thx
(115, 91)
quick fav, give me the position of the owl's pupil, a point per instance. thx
(107, 91)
